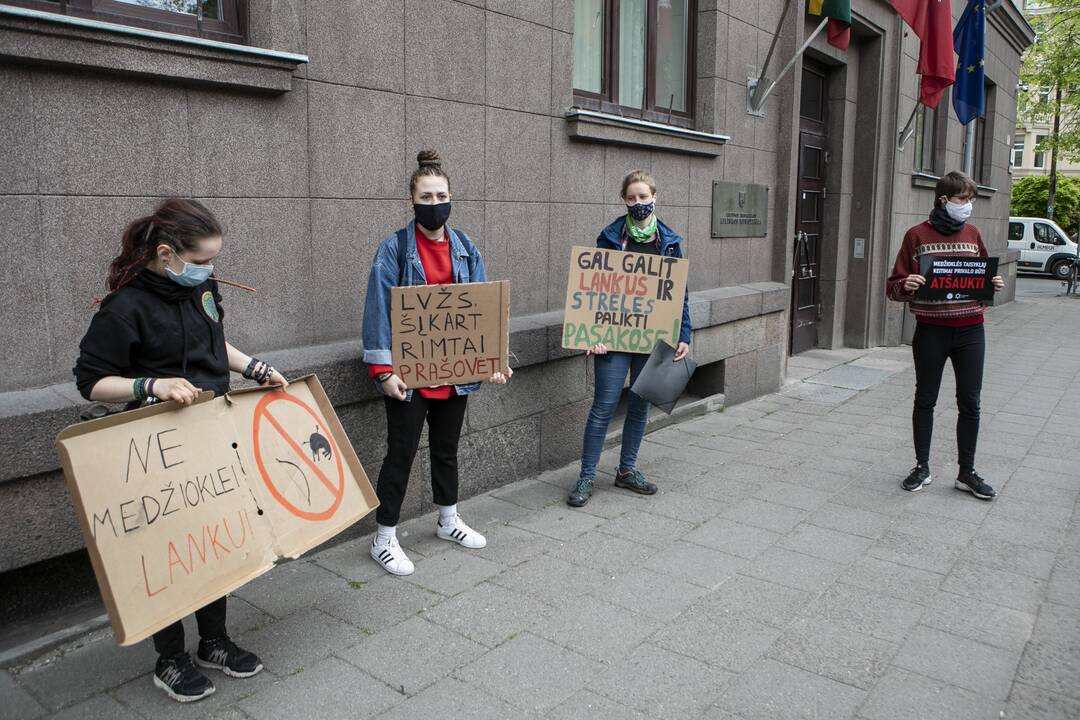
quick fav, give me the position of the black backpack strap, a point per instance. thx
(402, 248)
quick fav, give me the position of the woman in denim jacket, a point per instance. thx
(637, 231)
(425, 252)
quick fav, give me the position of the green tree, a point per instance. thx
(1029, 195)
(1050, 86)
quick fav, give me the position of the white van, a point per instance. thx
(1044, 247)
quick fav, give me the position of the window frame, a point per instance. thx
(231, 29)
(1051, 232)
(1019, 145)
(1039, 160)
(606, 100)
(925, 160)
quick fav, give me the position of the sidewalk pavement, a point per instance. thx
(781, 573)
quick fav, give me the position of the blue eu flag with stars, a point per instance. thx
(969, 43)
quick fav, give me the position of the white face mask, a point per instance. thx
(959, 212)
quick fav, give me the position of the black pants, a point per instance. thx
(932, 346)
(169, 642)
(404, 423)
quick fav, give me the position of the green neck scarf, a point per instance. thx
(641, 235)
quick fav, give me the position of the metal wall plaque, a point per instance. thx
(860, 248)
(739, 209)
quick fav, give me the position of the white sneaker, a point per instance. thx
(457, 531)
(392, 557)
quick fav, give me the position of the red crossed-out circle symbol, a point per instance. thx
(263, 415)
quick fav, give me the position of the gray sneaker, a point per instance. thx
(581, 493)
(635, 481)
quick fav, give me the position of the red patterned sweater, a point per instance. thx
(924, 239)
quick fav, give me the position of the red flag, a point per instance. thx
(932, 22)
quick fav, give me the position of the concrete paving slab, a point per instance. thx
(330, 690)
(489, 614)
(453, 571)
(865, 611)
(412, 655)
(958, 661)
(17, 703)
(530, 673)
(852, 377)
(839, 653)
(90, 666)
(771, 690)
(679, 686)
(903, 695)
(452, 698)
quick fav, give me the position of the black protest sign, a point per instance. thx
(953, 278)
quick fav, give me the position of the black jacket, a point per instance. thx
(154, 327)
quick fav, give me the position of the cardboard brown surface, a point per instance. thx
(627, 301)
(179, 506)
(450, 334)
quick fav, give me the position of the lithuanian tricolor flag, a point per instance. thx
(839, 14)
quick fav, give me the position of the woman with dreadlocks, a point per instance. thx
(158, 336)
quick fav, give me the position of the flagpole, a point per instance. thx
(969, 149)
(790, 63)
(907, 130)
(754, 101)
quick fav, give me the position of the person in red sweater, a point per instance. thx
(426, 251)
(945, 330)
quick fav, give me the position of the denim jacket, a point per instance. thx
(611, 238)
(387, 270)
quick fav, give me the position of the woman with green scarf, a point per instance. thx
(637, 231)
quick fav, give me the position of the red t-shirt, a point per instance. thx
(439, 270)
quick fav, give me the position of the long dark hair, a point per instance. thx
(177, 222)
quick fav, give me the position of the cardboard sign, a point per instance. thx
(957, 278)
(628, 301)
(179, 506)
(450, 334)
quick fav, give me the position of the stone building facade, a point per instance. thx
(301, 137)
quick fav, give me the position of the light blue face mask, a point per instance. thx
(192, 275)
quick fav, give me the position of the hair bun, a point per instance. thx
(428, 158)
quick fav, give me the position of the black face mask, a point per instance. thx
(432, 217)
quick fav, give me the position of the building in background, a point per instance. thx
(298, 122)
(1027, 157)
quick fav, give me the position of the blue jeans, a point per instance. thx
(611, 370)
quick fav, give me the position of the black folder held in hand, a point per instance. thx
(663, 381)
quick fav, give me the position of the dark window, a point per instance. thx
(982, 137)
(812, 104)
(1016, 231)
(811, 162)
(1040, 157)
(925, 137)
(1018, 151)
(222, 20)
(636, 58)
(1047, 235)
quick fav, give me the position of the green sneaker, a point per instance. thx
(635, 481)
(581, 493)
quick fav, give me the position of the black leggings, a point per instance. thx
(169, 641)
(932, 346)
(404, 423)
